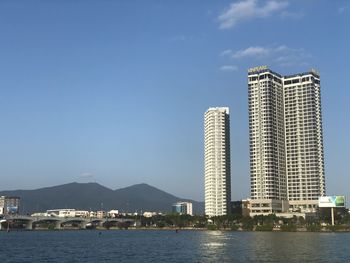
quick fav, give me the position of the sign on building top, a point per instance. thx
(257, 69)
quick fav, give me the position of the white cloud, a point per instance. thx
(281, 54)
(229, 68)
(251, 52)
(249, 9)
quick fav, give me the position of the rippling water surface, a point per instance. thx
(168, 246)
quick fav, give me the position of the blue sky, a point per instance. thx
(115, 91)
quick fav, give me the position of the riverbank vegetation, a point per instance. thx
(236, 222)
(316, 222)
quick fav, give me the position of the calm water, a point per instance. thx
(167, 246)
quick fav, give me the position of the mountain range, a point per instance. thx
(93, 196)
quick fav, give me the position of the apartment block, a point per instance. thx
(217, 161)
(286, 141)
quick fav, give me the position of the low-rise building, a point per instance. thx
(39, 214)
(268, 206)
(149, 214)
(253, 207)
(113, 213)
(92, 214)
(61, 212)
(82, 213)
(9, 205)
(183, 208)
(265, 206)
(246, 207)
(101, 214)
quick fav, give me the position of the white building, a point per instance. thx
(183, 208)
(266, 125)
(286, 144)
(113, 213)
(149, 214)
(217, 161)
(61, 212)
(101, 214)
(304, 140)
(9, 205)
(92, 214)
(39, 214)
(82, 213)
(67, 213)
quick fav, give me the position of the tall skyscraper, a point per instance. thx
(266, 122)
(286, 144)
(304, 140)
(217, 161)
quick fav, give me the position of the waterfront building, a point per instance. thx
(92, 214)
(304, 140)
(9, 205)
(248, 209)
(101, 214)
(113, 213)
(286, 142)
(266, 130)
(149, 214)
(217, 170)
(68, 213)
(82, 213)
(39, 214)
(182, 208)
(61, 212)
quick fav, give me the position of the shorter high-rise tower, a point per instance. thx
(217, 161)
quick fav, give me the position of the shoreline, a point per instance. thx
(178, 230)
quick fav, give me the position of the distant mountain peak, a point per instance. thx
(141, 185)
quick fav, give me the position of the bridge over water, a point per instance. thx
(59, 222)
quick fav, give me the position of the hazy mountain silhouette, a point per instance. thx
(86, 196)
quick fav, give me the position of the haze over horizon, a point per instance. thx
(114, 92)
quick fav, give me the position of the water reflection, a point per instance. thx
(214, 246)
(219, 246)
(169, 246)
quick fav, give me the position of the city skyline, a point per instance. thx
(115, 92)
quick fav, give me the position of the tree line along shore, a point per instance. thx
(231, 222)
